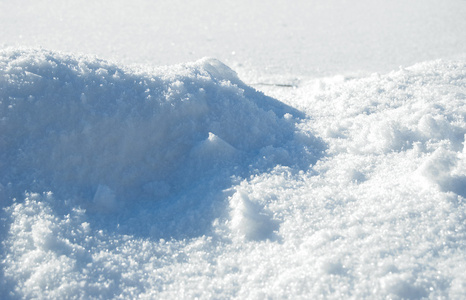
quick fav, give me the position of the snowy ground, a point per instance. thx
(302, 162)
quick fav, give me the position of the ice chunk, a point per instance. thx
(249, 220)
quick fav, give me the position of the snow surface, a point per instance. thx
(123, 179)
(184, 182)
(262, 40)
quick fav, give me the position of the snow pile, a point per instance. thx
(239, 203)
(88, 129)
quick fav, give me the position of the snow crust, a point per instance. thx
(183, 182)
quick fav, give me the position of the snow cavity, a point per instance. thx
(86, 128)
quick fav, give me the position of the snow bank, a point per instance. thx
(88, 129)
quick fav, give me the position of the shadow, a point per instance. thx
(146, 154)
(183, 215)
(270, 104)
(455, 184)
(190, 210)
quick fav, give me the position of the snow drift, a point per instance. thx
(86, 128)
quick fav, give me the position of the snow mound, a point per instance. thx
(86, 128)
(381, 216)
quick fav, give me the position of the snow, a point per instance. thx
(343, 177)
(77, 124)
(262, 40)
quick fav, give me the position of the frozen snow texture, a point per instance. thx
(381, 214)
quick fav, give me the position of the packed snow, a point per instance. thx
(324, 175)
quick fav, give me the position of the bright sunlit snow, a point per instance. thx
(319, 152)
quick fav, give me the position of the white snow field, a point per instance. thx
(301, 162)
